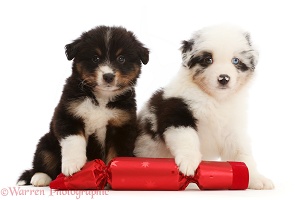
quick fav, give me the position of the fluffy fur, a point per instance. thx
(201, 113)
(96, 115)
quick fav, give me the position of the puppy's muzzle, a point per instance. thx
(223, 79)
(108, 77)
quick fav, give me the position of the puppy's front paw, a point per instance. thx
(184, 145)
(188, 164)
(73, 165)
(259, 182)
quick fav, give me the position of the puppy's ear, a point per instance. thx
(72, 49)
(247, 37)
(186, 46)
(254, 51)
(144, 54)
(255, 59)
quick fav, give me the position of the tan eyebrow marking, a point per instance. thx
(98, 51)
(119, 52)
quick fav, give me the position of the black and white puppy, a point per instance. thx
(96, 115)
(201, 113)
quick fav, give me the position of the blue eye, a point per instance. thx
(235, 61)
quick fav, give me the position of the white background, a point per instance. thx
(33, 68)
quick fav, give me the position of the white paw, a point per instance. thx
(184, 145)
(73, 150)
(187, 164)
(40, 179)
(73, 165)
(259, 182)
(21, 183)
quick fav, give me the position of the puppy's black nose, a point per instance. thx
(223, 79)
(108, 77)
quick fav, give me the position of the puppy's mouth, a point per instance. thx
(223, 87)
(107, 87)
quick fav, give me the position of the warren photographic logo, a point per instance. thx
(29, 191)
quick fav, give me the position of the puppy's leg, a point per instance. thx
(120, 140)
(184, 145)
(256, 180)
(46, 162)
(94, 148)
(73, 150)
(237, 148)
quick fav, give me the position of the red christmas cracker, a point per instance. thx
(127, 173)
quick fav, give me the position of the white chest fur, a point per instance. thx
(95, 117)
(217, 121)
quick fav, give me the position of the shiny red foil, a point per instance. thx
(127, 173)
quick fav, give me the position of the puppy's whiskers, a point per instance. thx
(84, 84)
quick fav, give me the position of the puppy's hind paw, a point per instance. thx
(259, 182)
(40, 179)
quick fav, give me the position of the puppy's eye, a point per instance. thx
(121, 59)
(95, 59)
(235, 61)
(208, 60)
